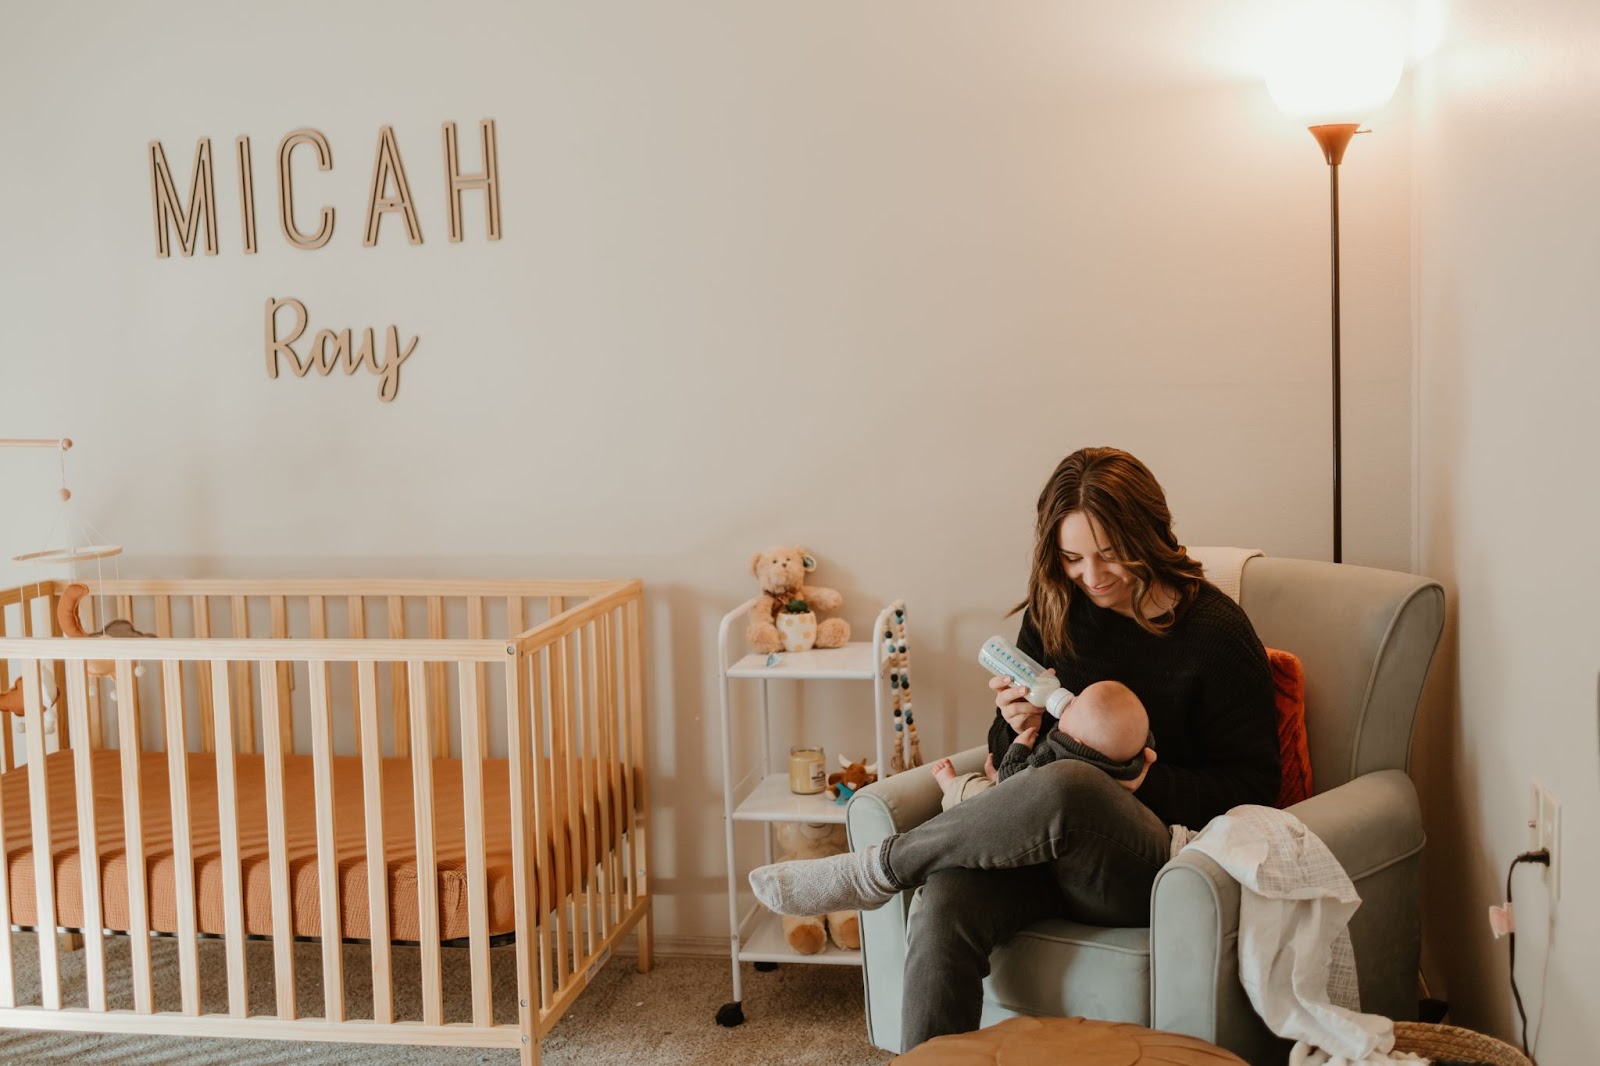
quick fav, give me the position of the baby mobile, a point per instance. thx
(80, 543)
(907, 748)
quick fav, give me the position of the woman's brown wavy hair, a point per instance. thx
(1120, 493)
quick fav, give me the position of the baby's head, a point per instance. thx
(1109, 718)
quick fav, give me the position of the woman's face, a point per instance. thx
(1091, 565)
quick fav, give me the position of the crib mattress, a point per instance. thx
(301, 838)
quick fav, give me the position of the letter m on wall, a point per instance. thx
(169, 207)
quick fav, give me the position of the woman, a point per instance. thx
(1112, 596)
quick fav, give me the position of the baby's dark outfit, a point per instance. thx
(1056, 745)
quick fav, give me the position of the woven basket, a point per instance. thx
(1452, 1042)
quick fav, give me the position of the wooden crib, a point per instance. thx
(449, 764)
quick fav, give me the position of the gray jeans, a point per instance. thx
(1056, 841)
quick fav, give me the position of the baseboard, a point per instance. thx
(702, 947)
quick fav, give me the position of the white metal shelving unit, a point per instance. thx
(762, 794)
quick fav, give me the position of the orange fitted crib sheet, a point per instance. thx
(301, 838)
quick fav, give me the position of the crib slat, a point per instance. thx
(77, 689)
(44, 891)
(7, 756)
(596, 824)
(477, 627)
(542, 849)
(563, 821)
(133, 833)
(8, 981)
(576, 852)
(327, 843)
(438, 690)
(182, 840)
(473, 723)
(65, 735)
(228, 824)
(399, 679)
(625, 760)
(96, 710)
(277, 847)
(280, 631)
(163, 608)
(637, 785)
(611, 791)
(594, 887)
(356, 629)
(618, 635)
(202, 630)
(27, 631)
(427, 865)
(524, 788)
(377, 860)
(524, 739)
(244, 691)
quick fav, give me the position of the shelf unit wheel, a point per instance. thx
(730, 1014)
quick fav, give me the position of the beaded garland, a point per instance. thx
(907, 747)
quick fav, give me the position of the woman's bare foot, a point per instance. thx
(944, 772)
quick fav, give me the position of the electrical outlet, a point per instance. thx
(1535, 809)
(1549, 837)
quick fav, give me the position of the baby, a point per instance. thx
(1105, 725)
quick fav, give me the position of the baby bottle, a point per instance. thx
(999, 656)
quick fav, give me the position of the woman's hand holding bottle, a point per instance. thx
(1012, 702)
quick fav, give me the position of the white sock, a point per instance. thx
(850, 881)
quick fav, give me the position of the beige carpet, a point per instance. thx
(796, 1015)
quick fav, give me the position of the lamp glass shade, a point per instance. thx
(1333, 61)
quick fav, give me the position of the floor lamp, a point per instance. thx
(1330, 64)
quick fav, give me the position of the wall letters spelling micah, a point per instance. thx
(328, 349)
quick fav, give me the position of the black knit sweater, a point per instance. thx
(1207, 688)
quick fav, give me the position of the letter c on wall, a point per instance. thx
(286, 188)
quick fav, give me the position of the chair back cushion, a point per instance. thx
(1365, 638)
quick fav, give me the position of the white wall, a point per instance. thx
(943, 243)
(1506, 229)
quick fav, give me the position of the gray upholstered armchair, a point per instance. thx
(1366, 638)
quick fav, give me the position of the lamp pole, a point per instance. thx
(1334, 139)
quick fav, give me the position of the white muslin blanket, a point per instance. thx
(1295, 959)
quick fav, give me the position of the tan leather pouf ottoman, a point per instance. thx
(1062, 1041)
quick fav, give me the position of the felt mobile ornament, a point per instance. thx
(79, 543)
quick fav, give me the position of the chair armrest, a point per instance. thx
(1373, 826)
(886, 807)
(894, 804)
(1194, 957)
(1369, 823)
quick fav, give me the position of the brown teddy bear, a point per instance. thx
(782, 573)
(809, 935)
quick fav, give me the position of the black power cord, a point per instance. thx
(1542, 857)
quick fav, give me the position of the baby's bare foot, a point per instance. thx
(944, 772)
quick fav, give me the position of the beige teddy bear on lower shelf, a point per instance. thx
(809, 935)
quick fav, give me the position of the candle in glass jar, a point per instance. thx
(807, 773)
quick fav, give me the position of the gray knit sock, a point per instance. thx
(850, 881)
